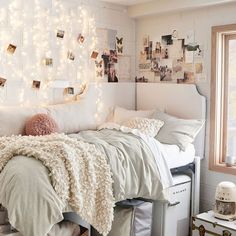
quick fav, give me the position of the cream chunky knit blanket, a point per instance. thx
(80, 174)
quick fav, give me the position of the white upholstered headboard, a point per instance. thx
(181, 100)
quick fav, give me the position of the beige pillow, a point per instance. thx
(13, 119)
(74, 116)
(147, 126)
(121, 114)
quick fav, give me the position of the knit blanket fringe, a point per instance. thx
(79, 172)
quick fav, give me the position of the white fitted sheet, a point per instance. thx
(176, 158)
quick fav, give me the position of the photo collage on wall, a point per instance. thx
(109, 64)
(172, 59)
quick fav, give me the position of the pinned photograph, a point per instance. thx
(2, 82)
(145, 41)
(70, 55)
(198, 68)
(167, 40)
(48, 61)
(113, 56)
(112, 74)
(36, 84)
(165, 73)
(69, 91)
(80, 38)
(11, 49)
(94, 55)
(60, 34)
(188, 77)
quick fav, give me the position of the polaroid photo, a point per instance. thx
(11, 48)
(113, 56)
(198, 68)
(70, 56)
(48, 61)
(94, 55)
(112, 74)
(60, 34)
(188, 77)
(166, 39)
(36, 84)
(2, 82)
(80, 38)
(69, 91)
(189, 37)
(145, 41)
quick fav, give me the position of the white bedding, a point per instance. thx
(176, 158)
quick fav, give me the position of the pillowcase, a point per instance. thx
(177, 131)
(74, 116)
(40, 124)
(147, 126)
(13, 119)
(121, 114)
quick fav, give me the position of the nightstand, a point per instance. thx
(206, 224)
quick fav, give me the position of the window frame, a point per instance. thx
(219, 98)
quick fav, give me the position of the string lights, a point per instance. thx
(47, 48)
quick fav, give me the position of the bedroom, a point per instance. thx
(71, 66)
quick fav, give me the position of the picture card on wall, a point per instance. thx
(60, 34)
(94, 55)
(36, 84)
(145, 41)
(2, 82)
(166, 39)
(198, 68)
(70, 55)
(80, 38)
(69, 91)
(11, 48)
(48, 61)
(189, 37)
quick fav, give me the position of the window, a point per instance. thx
(223, 98)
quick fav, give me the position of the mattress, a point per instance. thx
(176, 158)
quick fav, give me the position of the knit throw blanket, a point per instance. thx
(79, 173)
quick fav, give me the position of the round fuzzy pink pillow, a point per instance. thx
(40, 124)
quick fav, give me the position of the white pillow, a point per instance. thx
(147, 126)
(121, 114)
(74, 116)
(177, 131)
(13, 119)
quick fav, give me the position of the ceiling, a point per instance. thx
(127, 2)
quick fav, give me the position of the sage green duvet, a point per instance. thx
(34, 207)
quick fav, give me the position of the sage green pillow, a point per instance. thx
(177, 131)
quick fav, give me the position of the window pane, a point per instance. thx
(231, 132)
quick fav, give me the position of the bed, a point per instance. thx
(146, 98)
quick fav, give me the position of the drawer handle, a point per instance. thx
(173, 204)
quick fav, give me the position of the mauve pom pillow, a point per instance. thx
(40, 124)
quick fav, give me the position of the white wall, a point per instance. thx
(20, 69)
(200, 20)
